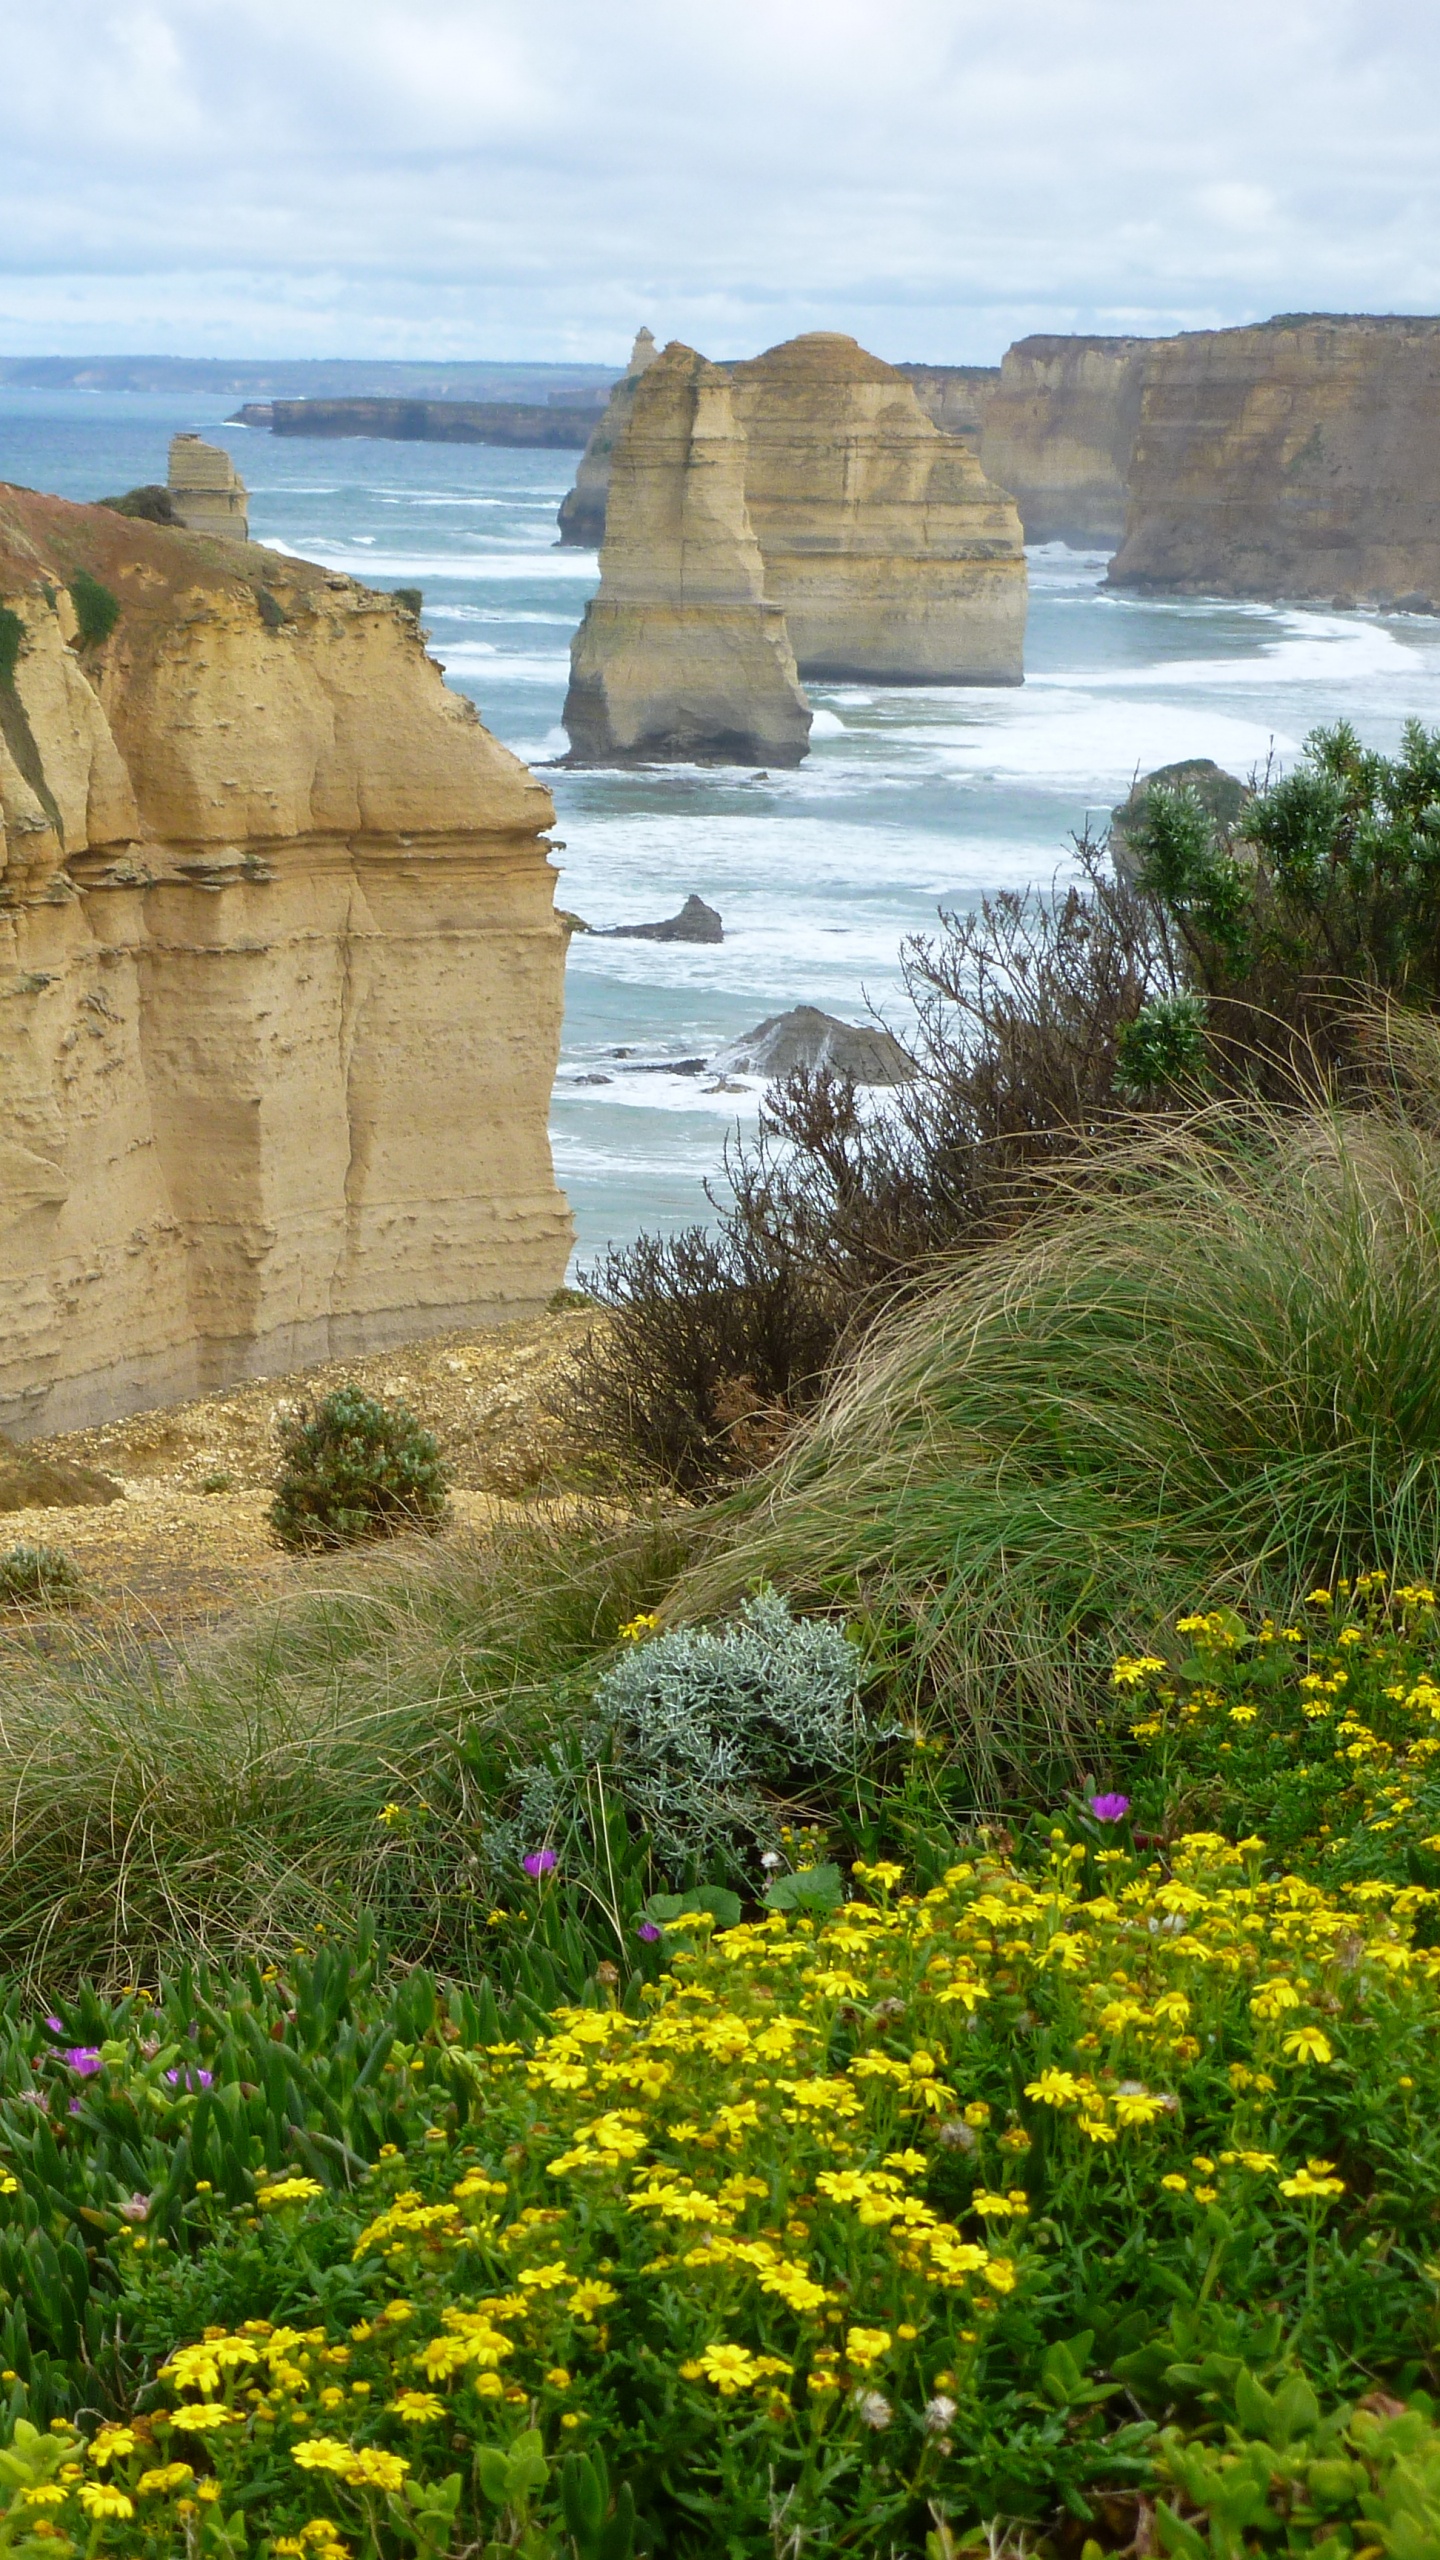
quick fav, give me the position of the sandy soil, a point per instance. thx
(190, 1542)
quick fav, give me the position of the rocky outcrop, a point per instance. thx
(892, 557)
(862, 1052)
(206, 492)
(1057, 434)
(280, 977)
(695, 923)
(1220, 793)
(582, 509)
(1296, 459)
(681, 657)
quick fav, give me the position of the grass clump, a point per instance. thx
(1217, 1377)
(41, 1576)
(96, 610)
(355, 1468)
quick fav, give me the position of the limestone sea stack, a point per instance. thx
(582, 509)
(280, 976)
(207, 494)
(1300, 458)
(892, 557)
(1057, 432)
(681, 657)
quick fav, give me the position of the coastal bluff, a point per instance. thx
(280, 976)
(1056, 430)
(1297, 459)
(891, 555)
(682, 656)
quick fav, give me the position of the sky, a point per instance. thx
(534, 178)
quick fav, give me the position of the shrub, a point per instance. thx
(355, 1468)
(45, 1575)
(705, 1736)
(150, 504)
(12, 636)
(410, 599)
(96, 610)
(716, 1341)
(1221, 1377)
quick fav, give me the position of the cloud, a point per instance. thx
(533, 177)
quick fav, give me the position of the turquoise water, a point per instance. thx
(910, 800)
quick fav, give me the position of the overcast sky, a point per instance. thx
(536, 177)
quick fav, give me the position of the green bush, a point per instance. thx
(355, 1468)
(12, 635)
(42, 1574)
(96, 610)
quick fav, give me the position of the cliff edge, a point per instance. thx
(681, 656)
(1296, 459)
(1057, 432)
(280, 976)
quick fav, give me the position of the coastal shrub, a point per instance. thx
(12, 636)
(96, 610)
(1327, 884)
(1219, 1378)
(152, 503)
(716, 1341)
(355, 1468)
(45, 1576)
(982, 2207)
(707, 1737)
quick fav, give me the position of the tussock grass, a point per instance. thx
(235, 1804)
(1222, 1376)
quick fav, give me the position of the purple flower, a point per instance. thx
(539, 1863)
(56, 2026)
(1109, 1808)
(190, 2077)
(135, 2208)
(648, 1932)
(84, 2059)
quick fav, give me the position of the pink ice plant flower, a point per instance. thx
(1109, 1808)
(539, 1863)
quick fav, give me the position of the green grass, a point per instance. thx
(1222, 1376)
(237, 1802)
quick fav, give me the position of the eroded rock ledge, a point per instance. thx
(280, 976)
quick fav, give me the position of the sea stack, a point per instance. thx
(281, 971)
(681, 658)
(582, 509)
(892, 557)
(1296, 459)
(207, 493)
(1057, 432)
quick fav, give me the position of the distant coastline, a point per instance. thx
(553, 425)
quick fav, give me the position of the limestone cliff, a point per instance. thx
(280, 977)
(680, 656)
(1057, 433)
(892, 557)
(582, 509)
(1300, 458)
(955, 397)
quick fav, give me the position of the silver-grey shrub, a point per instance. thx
(707, 1733)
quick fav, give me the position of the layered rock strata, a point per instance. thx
(280, 978)
(680, 656)
(206, 492)
(1057, 433)
(1297, 459)
(892, 556)
(955, 397)
(582, 509)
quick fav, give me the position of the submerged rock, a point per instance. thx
(695, 923)
(892, 556)
(681, 658)
(805, 1037)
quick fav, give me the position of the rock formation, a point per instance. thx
(508, 422)
(280, 978)
(695, 923)
(1219, 792)
(1296, 459)
(680, 657)
(1057, 433)
(955, 397)
(582, 509)
(206, 492)
(805, 1037)
(892, 557)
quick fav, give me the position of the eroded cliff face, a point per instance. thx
(1057, 431)
(280, 978)
(681, 656)
(892, 556)
(1300, 458)
(582, 509)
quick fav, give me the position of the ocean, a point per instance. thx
(911, 801)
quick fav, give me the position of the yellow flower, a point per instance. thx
(1313, 2180)
(111, 2444)
(865, 2347)
(46, 2493)
(204, 2416)
(289, 2191)
(101, 2498)
(1177, 2186)
(732, 2369)
(1055, 2089)
(1307, 2044)
(167, 2476)
(635, 1630)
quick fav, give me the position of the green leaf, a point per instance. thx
(811, 1889)
(725, 1906)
